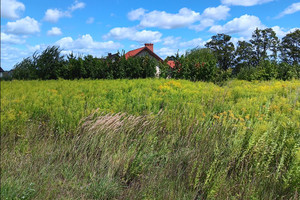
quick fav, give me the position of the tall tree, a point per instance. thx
(264, 41)
(49, 63)
(244, 53)
(223, 49)
(290, 48)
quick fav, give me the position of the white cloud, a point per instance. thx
(210, 15)
(86, 43)
(90, 20)
(245, 2)
(216, 13)
(77, 5)
(143, 36)
(136, 14)
(295, 7)
(134, 46)
(25, 26)
(11, 55)
(204, 23)
(243, 25)
(11, 9)
(53, 15)
(167, 51)
(11, 39)
(193, 43)
(171, 41)
(281, 32)
(35, 47)
(54, 31)
(162, 19)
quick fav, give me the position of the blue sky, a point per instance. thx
(99, 27)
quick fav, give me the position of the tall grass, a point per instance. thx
(150, 139)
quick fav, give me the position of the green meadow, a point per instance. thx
(150, 139)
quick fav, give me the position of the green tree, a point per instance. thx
(243, 56)
(25, 70)
(290, 48)
(75, 67)
(223, 49)
(49, 63)
(263, 41)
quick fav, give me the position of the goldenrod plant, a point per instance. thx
(150, 139)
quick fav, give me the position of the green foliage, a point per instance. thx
(48, 63)
(254, 60)
(223, 49)
(290, 48)
(26, 69)
(243, 56)
(150, 138)
(104, 188)
(263, 41)
(197, 65)
(51, 65)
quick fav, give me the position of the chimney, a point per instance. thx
(149, 45)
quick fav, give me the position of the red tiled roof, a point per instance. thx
(135, 52)
(171, 63)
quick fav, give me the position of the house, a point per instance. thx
(143, 51)
(1, 72)
(147, 50)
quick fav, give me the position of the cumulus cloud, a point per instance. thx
(204, 23)
(164, 20)
(11, 9)
(53, 15)
(77, 5)
(134, 46)
(210, 16)
(143, 36)
(86, 43)
(11, 39)
(11, 55)
(166, 51)
(243, 25)
(54, 31)
(25, 26)
(295, 7)
(245, 2)
(90, 20)
(281, 32)
(184, 18)
(136, 14)
(197, 42)
(169, 51)
(216, 13)
(171, 41)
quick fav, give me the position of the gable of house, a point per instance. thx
(147, 50)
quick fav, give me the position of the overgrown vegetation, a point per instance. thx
(50, 65)
(150, 139)
(263, 57)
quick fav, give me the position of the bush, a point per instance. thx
(197, 65)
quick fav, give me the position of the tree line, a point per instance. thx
(263, 57)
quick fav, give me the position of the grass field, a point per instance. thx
(150, 139)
